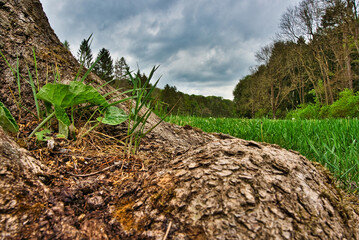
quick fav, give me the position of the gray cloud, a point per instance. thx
(203, 46)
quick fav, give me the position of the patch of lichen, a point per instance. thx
(161, 199)
(124, 214)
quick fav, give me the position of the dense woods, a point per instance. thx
(170, 99)
(313, 60)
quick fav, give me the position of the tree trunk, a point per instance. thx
(272, 100)
(194, 185)
(347, 61)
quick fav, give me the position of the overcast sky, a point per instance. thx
(202, 46)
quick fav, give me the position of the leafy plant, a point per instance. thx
(63, 96)
(7, 121)
(43, 135)
(310, 111)
(346, 106)
(62, 99)
(137, 116)
(113, 116)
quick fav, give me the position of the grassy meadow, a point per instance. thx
(332, 142)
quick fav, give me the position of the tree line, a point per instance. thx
(313, 60)
(179, 103)
(167, 100)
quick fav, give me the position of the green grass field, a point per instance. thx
(333, 143)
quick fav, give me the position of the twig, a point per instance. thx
(68, 155)
(168, 230)
(94, 173)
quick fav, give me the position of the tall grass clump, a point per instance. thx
(332, 142)
(139, 110)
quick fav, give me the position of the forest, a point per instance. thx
(311, 68)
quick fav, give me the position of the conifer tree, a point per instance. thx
(84, 55)
(120, 69)
(66, 44)
(120, 74)
(104, 67)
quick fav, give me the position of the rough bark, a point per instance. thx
(24, 26)
(22, 191)
(236, 189)
(197, 186)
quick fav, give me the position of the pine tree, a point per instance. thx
(120, 74)
(104, 67)
(84, 54)
(66, 44)
(120, 69)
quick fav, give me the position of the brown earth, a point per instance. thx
(183, 184)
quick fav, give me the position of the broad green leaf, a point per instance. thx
(7, 121)
(43, 135)
(75, 93)
(113, 116)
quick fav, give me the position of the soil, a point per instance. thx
(182, 184)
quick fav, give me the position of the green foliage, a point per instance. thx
(262, 113)
(137, 117)
(183, 104)
(104, 67)
(68, 95)
(120, 74)
(7, 121)
(63, 96)
(317, 53)
(347, 106)
(332, 142)
(17, 75)
(43, 135)
(66, 44)
(60, 98)
(113, 116)
(85, 54)
(324, 112)
(309, 111)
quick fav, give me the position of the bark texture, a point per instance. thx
(196, 186)
(236, 189)
(22, 191)
(24, 26)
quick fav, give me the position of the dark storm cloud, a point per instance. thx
(203, 46)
